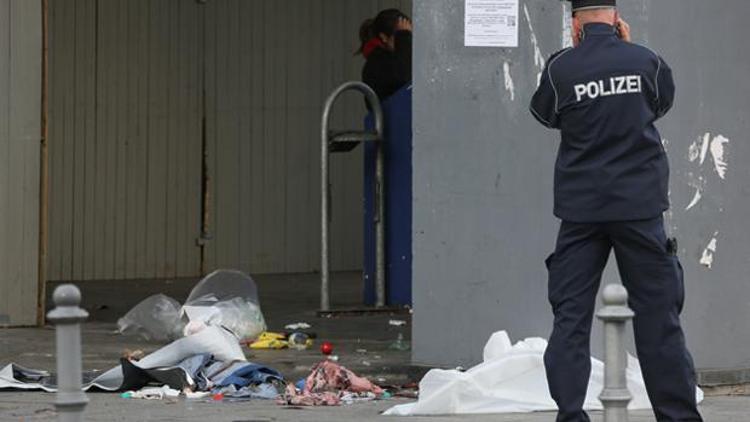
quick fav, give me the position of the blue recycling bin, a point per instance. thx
(398, 197)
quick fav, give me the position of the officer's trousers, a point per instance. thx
(653, 278)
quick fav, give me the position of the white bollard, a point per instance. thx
(615, 314)
(67, 317)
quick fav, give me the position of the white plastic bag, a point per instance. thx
(239, 316)
(156, 318)
(227, 298)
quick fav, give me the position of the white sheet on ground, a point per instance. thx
(213, 340)
(510, 380)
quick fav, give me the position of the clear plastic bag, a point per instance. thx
(227, 298)
(223, 285)
(241, 317)
(156, 318)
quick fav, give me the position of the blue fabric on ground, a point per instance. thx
(251, 373)
(265, 391)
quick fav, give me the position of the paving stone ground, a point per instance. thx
(361, 342)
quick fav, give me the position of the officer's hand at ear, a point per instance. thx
(623, 30)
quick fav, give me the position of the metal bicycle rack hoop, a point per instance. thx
(342, 141)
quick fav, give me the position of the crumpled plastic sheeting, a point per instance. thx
(224, 285)
(215, 341)
(227, 298)
(328, 384)
(20, 378)
(156, 318)
(153, 393)
(511, 379)
(187, 374)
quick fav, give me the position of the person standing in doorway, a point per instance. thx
(611, 180)
(386, 46)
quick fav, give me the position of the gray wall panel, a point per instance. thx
(20, 95)
(125, 139)
(483, 219)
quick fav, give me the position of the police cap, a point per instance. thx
(591, 4)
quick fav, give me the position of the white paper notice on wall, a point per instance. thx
(491, 23)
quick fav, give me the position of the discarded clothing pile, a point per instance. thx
(511, 379)
(330, 384)
(208, 361)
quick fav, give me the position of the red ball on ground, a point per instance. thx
(326, 348)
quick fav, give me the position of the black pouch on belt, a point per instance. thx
(672, 246)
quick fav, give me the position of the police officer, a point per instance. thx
(611, 180)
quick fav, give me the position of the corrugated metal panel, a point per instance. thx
(125, 139)
(271, 65)
(125, 122)
(20, 95)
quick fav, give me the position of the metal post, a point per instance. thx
(615, 314)
(325, 302)
(43, 173)
(325, 138)
(67, 317)
(379, 227)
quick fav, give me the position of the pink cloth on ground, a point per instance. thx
(326, 384)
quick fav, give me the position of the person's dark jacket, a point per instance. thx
(604, 96)
(388, 71)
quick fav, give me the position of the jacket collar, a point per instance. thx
(596, 28)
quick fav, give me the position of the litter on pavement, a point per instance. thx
(226, 298)
(298, 326)
(209, 364)
(330, 384)
(511, 379)
(400, 344)
(270, 340)
(152, 393)
(156, 318)
(171, 362)
(204, 360)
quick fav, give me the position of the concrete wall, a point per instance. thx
(128, 80)
(20, 134)
(483, 177)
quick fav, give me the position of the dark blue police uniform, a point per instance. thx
(611, 180)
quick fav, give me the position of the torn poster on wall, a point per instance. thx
(509, 85)
(538, 57)
(491, 23)
(707, 258)
(697, 153)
